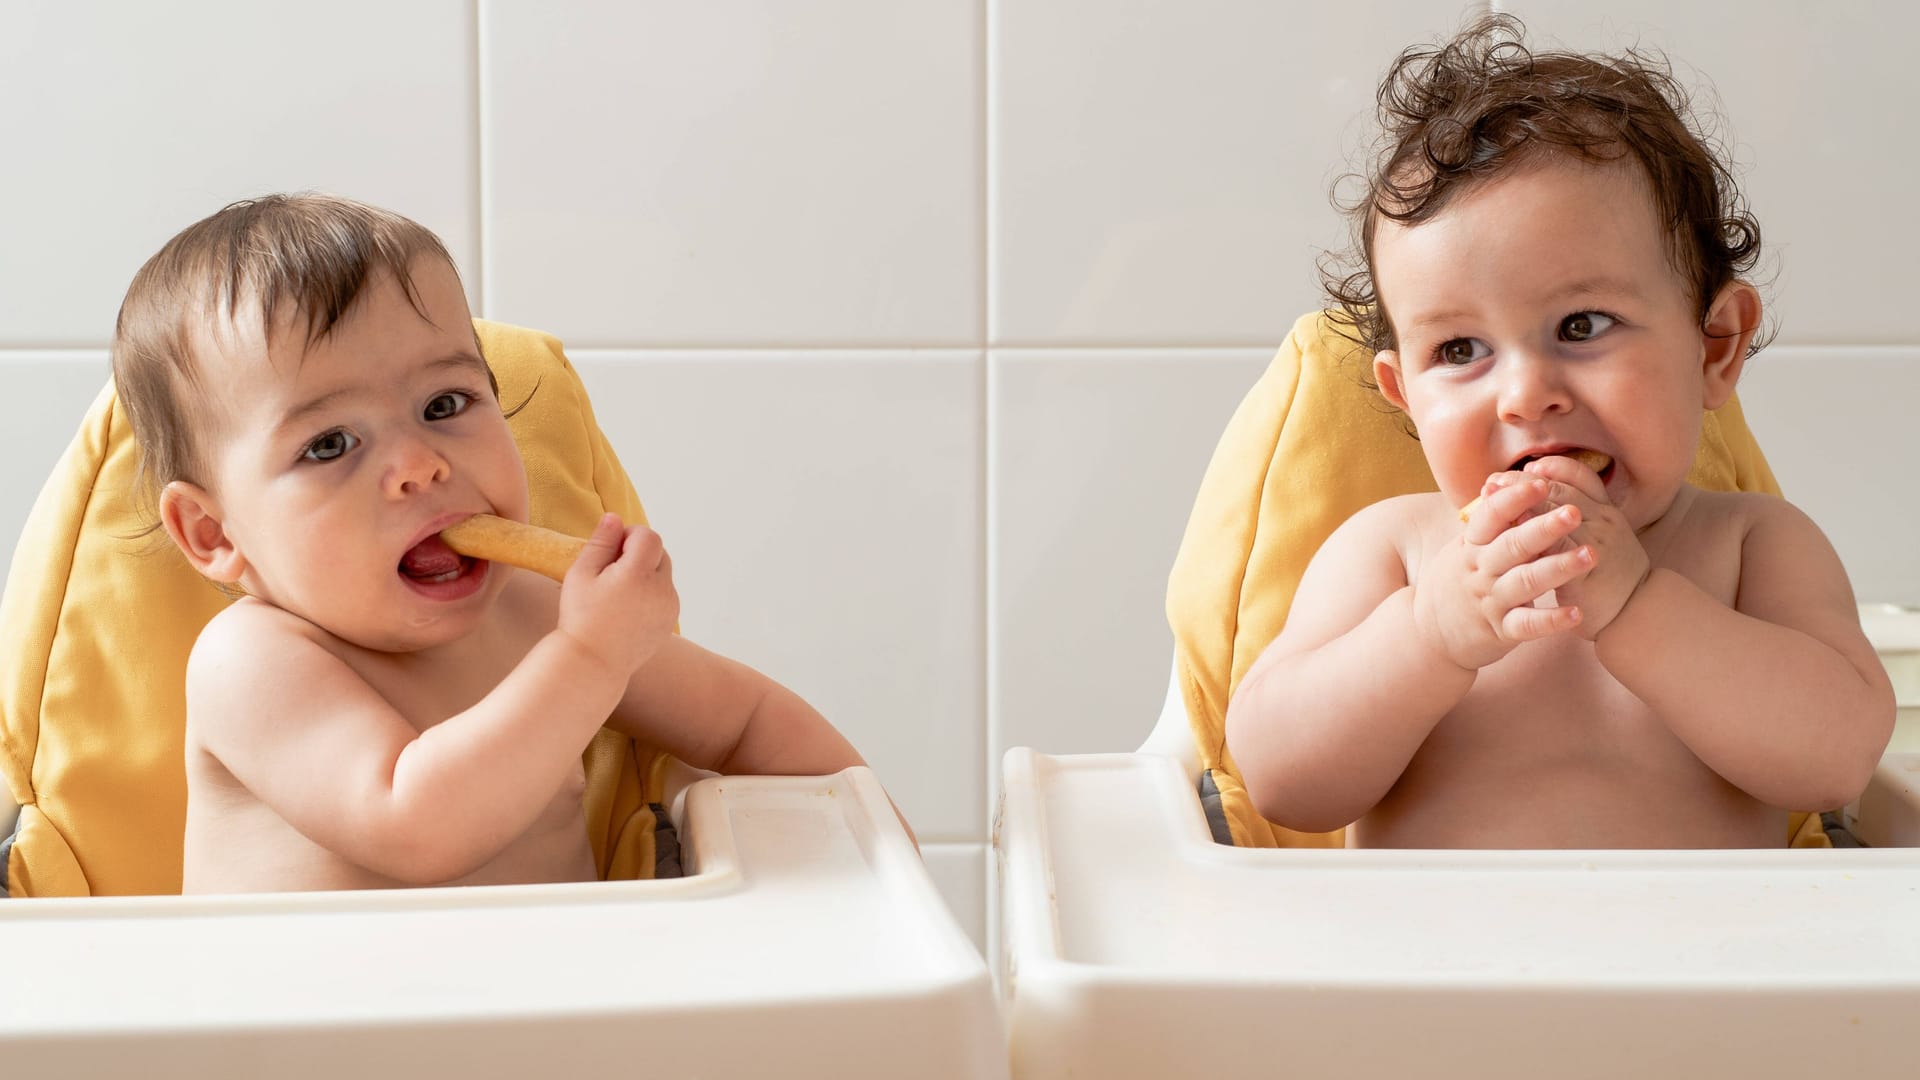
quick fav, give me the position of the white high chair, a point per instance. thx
(807, 941)
(1133, 945)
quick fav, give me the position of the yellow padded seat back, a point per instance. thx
(1309, 446)
(97, 621)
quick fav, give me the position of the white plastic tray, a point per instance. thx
(1136, 947)
(809, 943)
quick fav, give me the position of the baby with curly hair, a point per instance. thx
(1595, 654)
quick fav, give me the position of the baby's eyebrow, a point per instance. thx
(1428, 319)
(459, 360)
(1602, 285)
(292, 417)
(469, 361)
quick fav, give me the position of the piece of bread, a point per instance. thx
(530, 547)
(1592, 459)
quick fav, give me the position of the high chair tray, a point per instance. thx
(808, 942)
(1135, 946)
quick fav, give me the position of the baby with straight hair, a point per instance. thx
(313, 408)
(1568, 645)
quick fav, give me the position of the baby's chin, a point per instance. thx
(415, 631)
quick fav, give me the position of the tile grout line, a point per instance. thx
(482, 239)
(989, 608)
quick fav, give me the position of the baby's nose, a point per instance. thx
(415, 464)
(1531, 387)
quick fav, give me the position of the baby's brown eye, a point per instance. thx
(1584, 326)
(1459, 351)
(329, 446)
(447, 404)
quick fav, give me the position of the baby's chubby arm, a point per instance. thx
(339, 763)
(1781, 694)
(1328, 717)
(721, 715)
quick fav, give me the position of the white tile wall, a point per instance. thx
(123, 122)
(914, 323)
(747, 172)
(1161, 171)
(1093, 464)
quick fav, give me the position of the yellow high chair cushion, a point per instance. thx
(1308, 447)
(97, 621)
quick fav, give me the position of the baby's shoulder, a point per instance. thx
(249, 626)
(1739, 516)
(1401, 515)
(1732, 542)
(1391, 531)
(1405, 523)
(248, 656)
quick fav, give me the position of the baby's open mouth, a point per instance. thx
(432, 561)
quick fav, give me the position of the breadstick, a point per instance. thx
(1592, 459)
(531, 547)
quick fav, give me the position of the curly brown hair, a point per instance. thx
(1455, 115)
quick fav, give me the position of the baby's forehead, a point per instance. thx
(1570, 205)
(240, 335)
(1533, 235)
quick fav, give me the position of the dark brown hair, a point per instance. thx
(313, 253)
(1455, 115)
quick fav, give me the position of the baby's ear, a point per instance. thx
(1731, 322)
(192, 517)
(1386, 372)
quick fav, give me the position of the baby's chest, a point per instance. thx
(1552, 700)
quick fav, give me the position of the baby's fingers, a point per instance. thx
(1497, 509)
(603, 547)
(645, 550)
(1530, 539)
(1529, 581)
(1532, 623)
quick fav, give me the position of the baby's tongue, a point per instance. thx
(430, 558)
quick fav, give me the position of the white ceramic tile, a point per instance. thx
(125, 121)
(1095, 460)
(1161, 171)
(823, 512)
(1839, 429)
(959, 871)
(752, 172)
(59, 387)
(1818, 100)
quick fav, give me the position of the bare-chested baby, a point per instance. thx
(312, 408)
(1552, 285)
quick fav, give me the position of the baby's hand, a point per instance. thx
(1476, 598)
(1619, 560)
(618, 600)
